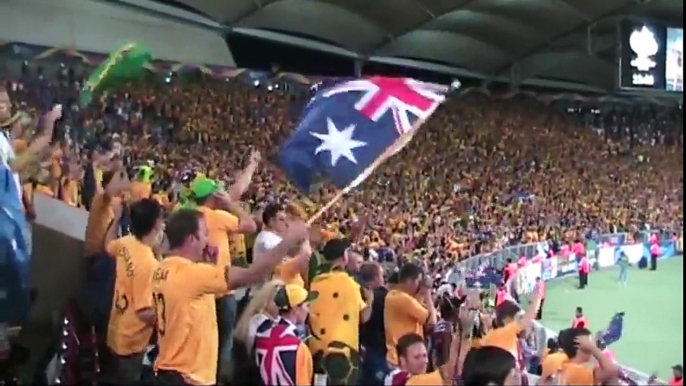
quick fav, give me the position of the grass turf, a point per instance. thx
(653, 338)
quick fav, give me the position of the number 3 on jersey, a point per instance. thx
(160, 312)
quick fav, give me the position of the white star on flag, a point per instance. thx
(338, 143)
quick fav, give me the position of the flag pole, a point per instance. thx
(397, 146)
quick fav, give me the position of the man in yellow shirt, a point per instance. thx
(224, 218)
(580, 347)
(551, 364)
(132, 316)
(98, 290)
(100, 212)
(184, 288)
(403, 312)
(511, 322)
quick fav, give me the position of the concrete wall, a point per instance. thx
(57, 264)
(57, 270)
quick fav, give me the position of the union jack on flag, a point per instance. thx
(406, 99)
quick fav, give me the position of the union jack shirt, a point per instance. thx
(396, 377)
(282, 357)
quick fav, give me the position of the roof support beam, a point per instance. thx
(295, 41)
(258, 8)
(263, 4)
(574, 10)
(378, 45)
(644, 19)
(537, 64)
(411, 63)
(515, 76)
(556, 84)
(167, 12)
(627, 5)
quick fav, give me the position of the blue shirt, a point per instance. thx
(15, 250)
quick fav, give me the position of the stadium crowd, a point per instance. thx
(481, 174)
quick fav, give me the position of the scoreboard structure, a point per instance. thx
(651, 57)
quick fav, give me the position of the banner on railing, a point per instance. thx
(535, 272)
(566, 265)
(549, 269)
(634, 252)
(526, 278)
(608, 256)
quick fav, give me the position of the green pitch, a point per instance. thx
(653, 338)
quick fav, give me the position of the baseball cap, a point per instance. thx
(335, 248)
(678, 368)
(146, 173)
(204, 187)
(292, 295)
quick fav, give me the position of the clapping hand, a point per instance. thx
(210, 254)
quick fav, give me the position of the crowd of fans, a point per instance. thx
(453, 189)
(482, 174)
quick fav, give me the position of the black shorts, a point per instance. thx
(124, 369)
(169, 378)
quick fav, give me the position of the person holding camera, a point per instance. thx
(409, 308)
(413, 355)
(372, 333)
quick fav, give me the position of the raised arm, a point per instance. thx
(242, 277)
(38, 145)
(243, 180)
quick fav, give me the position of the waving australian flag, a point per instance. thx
(346, 128)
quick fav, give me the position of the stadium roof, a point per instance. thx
(568, 40)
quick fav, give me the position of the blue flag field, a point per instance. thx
(347, 129)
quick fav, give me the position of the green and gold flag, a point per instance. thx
(122, 65)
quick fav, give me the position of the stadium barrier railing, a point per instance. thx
(603, 251)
